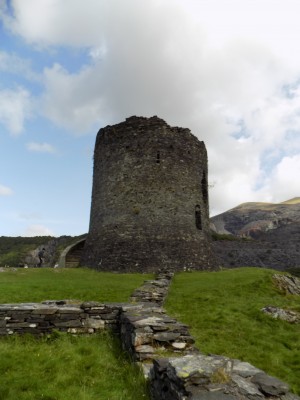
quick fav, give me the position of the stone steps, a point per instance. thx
(73, 258)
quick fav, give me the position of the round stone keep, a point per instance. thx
(149, 200)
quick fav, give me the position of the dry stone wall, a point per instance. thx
(42, 318)
(200, 377)
(176, 369)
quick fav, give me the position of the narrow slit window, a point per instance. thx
(204, 186)
(158, 157)
(198, 218)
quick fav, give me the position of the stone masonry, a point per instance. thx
(62, 315)
(149, 200)
(176, 369)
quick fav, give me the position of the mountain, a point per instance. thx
(259, 234)
(253, 219)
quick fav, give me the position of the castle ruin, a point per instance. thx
(149, 200)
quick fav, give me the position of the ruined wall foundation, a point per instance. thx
(147, 333)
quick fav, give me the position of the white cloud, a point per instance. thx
(12, 63)
(196, 64)
(170, 69)
(28, 216)
(49, 22)
(15, 108)
(284, 182)
(73, 101)
(41, 147)
(5, 191)
(37, 230)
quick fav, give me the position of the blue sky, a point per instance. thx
(229, 70)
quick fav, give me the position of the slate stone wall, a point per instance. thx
(43, 318)
(150, 199)
(200, 377)
(147, 333)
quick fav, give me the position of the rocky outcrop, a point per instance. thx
(290, 316)
(287, 283)
(253, 219)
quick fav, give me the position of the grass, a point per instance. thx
(223, 312)
(224, 315)
(38, 284)
(61, 366)
(64, 367)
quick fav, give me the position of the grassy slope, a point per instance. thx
(295, 200)
(224, 315)
(34, 285)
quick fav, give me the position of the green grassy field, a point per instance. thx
(223, 311)
(38, 284)
(60, 366)
(64, 367)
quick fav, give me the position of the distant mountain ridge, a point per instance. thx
(295, 200)
(253, 218)
(272, 230)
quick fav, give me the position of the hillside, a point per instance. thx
(272, 230)
(253, 234)
(253, 219)
(20, 251)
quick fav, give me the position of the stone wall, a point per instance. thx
(203, 377)
(150, 199)
(42, 318)
(176, 369)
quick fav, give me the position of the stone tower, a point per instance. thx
(149, 200)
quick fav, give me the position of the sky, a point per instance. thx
(229, 70)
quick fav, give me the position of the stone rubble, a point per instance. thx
(289, 285)
(290, 316)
